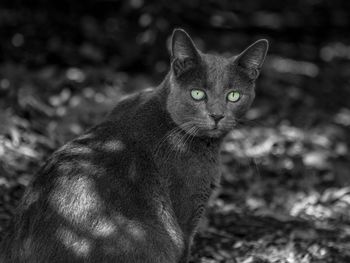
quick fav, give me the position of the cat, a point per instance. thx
(133, 188)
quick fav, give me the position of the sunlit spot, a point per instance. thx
(129, 227)
(119, 226)
(75, 198)
(343, 117)
(316, 159)
(334, 51)
(80, 246)
(86, 136)
(331, 204)
(127, 232)
(286, 65)
(171, 228)
(75, 149)
(75, 74)
(135, 230)
(103, 228)
(113, 145)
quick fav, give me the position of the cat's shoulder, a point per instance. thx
(131, 102)
(107, 145)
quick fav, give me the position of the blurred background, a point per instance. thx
(285, 193)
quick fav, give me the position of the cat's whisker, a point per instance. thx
(193, 136)
(189, 128)
(174, 131)
(169, 136)
(171, 148)
(177, 148)
(164, 139)
(189, 137)
(165, 146)
(182, 142)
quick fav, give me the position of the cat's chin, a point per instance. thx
(213, 133)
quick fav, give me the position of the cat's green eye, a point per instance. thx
(197, 94)
(233, 96)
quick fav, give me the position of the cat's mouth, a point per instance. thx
(214, 132)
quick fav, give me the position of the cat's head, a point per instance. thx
(209, 93)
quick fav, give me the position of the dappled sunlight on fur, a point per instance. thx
(76, 149)
(116, 227)
(127, 234)
(171, 227)
(134, 229)
(113, 145)
(75, 207)
(78, 245)
(86, 136)
(103, 228)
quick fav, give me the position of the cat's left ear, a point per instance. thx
(253, 57)
(184, 54)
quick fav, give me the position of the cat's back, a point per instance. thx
(130, 104)
(93, 200)
(103, 153)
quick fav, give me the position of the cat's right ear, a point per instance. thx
(252, 58)
(184, 54)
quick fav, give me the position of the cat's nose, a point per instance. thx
(216, 117)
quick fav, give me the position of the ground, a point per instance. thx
(285, 194)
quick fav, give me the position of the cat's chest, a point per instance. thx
(196, 168)
(191, 177)
(191, 169)
(191, 185)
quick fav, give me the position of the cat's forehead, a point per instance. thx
(215, 63)
(219, 70)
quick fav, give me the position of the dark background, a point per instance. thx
(285, 193)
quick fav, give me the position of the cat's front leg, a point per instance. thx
(187, 251)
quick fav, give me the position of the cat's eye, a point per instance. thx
(197, 94)
(233, 96)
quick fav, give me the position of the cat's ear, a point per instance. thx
(184, 54)
(252, 58)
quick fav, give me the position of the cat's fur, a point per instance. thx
(133, 188)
